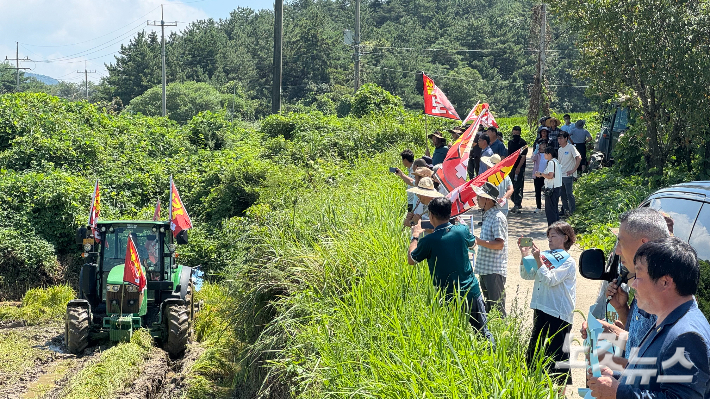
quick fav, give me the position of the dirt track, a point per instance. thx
(51, 368)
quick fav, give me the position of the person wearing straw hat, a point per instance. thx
(440, 148)
(505, 188)
(446, 252)
(425, 192)
(492, 259)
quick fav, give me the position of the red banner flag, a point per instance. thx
(435, 102)
(95, 210)
(482, 110)
(179, 219)
(156, 214)
(132, 270)
(462, 197)
(454, 169)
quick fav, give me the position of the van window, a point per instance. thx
(682, 211)
(700, 239)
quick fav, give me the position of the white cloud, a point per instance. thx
(80, 30)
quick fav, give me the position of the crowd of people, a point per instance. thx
(664, 271)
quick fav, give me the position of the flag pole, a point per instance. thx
(426, 133)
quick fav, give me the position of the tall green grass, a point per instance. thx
(331, 309)
(40, 305)
(114, 370)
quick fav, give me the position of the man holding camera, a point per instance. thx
(446, 252)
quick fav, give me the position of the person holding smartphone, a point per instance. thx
(554, 292)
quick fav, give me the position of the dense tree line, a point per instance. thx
(398, 38)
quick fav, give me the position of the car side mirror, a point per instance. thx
(181, 238)
(593, 265)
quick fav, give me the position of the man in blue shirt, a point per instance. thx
(496, 144)
(440, 148)
(673, 360)
(446, 252)
(486, 151)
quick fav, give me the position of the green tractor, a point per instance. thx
(108, 305)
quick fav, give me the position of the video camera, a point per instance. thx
(594, 265)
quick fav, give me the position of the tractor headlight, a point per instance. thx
(87, 247)
(131, 288)
(113, 287)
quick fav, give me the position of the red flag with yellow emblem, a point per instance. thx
(179, 219)
(462, 198)
(435, 101)
(132, 270)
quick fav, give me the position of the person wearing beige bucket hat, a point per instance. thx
(505, 188)
(492, 258)
(425, 192)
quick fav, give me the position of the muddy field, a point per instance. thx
(34, 363)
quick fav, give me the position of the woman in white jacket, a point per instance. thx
(555, 275)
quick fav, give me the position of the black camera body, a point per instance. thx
(594, 265)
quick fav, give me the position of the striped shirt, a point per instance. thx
(493, 261)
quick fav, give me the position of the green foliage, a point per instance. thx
(25, 260)
(398, 39)
(40, 305)
(602, 196)
(371, 98)
(214, 373)
(652, 55)
(116, 369)
(184, 101)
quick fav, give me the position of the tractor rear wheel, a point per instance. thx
(76, 329)
(178, 326)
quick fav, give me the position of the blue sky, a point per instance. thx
(60, 35)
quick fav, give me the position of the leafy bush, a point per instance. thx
(602, 196)
(183, 101)
(371, 98)
(25, 261)
(40, 305)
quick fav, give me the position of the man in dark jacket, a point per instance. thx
(518, 173)
(474, 157)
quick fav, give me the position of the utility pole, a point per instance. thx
(278, 59)
(543, 41)
(17, 60)
(357, 45)
(86, 79)
(162, 25)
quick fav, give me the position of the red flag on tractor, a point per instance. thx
(179, 219)
(484, 111)
(454, 169)
(156, 214)
(95, 210)
(132, 270)
(462, 197)
(435, 102)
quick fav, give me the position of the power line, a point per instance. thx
(97, 37)
(468, 79)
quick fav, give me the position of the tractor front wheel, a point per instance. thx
(178, 326)
(76, 329)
